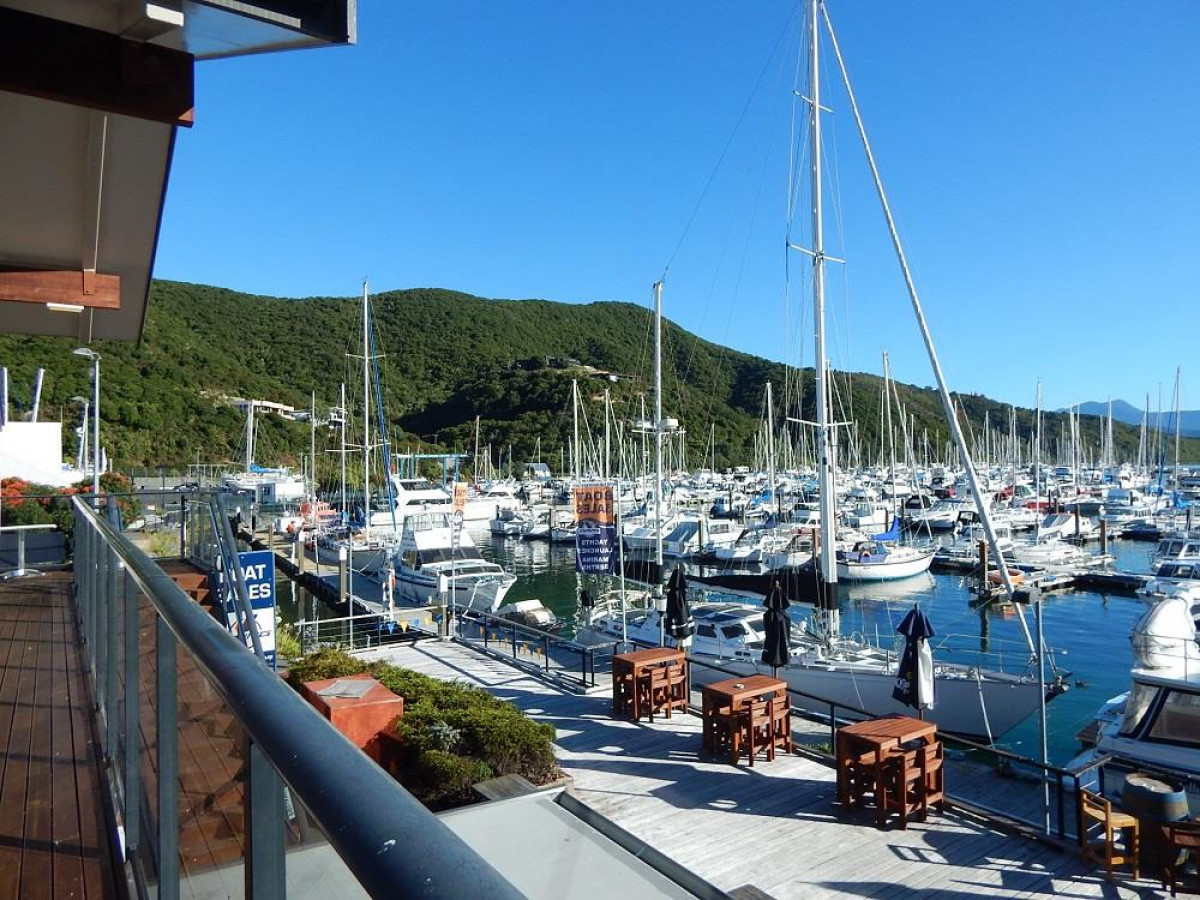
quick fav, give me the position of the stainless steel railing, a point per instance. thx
(162, 668)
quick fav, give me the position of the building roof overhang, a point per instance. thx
(91, 94)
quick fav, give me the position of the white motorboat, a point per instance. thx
(429, 562)
(1157, 728)
(1065, 526)
(491, 500)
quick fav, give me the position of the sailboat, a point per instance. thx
(971, 700)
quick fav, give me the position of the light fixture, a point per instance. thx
(65, 307)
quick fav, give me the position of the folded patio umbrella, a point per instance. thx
(914, 681)
(777, 627)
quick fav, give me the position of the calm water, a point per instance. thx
(1088, 632)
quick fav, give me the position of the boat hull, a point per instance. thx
(886, 570)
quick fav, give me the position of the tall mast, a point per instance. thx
(312, 447)
(366, 410)
(771, 452)
(825, 448)
(658, 424)
(249, 433)
(345, 510)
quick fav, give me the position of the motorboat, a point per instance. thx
(432, 560)
(1156, 726)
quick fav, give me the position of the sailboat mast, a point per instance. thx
(825, 451)
(658, 476)
(345, 510)
(366, 410)
(771, 453)
(249, 433)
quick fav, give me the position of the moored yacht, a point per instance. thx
(970, 700)
(428, 561)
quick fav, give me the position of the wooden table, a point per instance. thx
(877, 736)
(731, 693)
(629, 668)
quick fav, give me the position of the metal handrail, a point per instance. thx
(392, 844)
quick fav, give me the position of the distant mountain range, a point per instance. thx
(1189, 419)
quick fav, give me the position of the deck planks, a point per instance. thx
(54, 837)
(775, 826)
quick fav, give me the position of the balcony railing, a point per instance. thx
(220, 772)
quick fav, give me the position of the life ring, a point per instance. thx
(864, 556)
(291, 528)
(305, 509)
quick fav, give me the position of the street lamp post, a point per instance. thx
(95, 358)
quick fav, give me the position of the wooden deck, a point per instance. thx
(775, 827)
(54, 839)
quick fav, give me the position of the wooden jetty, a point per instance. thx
(773, 830)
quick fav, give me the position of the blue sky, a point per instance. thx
(1040, 159)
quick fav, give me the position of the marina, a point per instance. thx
(762, 550)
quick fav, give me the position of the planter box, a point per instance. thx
(358, 706)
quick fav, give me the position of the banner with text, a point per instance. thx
(595, 530)
(456, 518)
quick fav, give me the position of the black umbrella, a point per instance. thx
(914, 681)
(777, 627)
(679, 622)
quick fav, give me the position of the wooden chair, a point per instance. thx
(670, 690)
(655, 685)
(1095, 812)
(754, 730)
(781, 723)
(914, 778)
(1183, 841)
(624, 688)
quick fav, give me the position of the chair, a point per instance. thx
(624, 687)
(1096, 812)
(781, 723)
(754, 727)
(913, 778)
(668, 689)
(1183, 840)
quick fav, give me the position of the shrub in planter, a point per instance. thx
(330, 662)
(446, 778)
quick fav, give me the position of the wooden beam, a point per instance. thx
(60, 61)
(89, 289)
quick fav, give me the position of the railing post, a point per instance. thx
(266, 868)
(514, 640)
(98, 639)
(833, 727)
(546, 651)
(111, 725)
(1061, 804)
(130, 745)
(167, 707)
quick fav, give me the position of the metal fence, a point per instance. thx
(301, 806)
(554, 655)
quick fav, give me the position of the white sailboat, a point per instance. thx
(971, 699)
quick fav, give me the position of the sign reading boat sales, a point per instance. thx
(258, 571)
(595, 532)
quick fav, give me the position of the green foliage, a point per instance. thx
(453, 734)
(330, 662)
(448, 357)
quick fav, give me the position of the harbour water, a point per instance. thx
(1088, 632)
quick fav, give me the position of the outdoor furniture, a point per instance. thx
(1183, 843)
(668, 689)
(912, 780)
(731, 716)
(1095, 812)
(632, 673)
(864, 752)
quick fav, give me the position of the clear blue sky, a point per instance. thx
(1041, 159)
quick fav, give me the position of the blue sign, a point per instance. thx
(258, 571)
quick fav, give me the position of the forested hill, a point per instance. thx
(444, 358)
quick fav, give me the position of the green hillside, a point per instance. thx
(446, 358)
